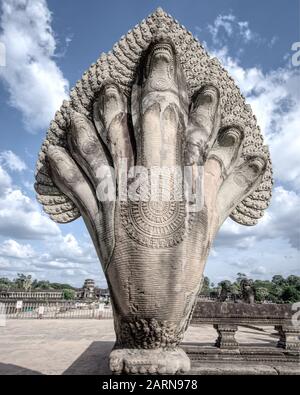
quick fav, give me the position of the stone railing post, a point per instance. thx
(288, 337)
(226, 336)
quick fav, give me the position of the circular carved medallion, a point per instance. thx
(155, 224)
(159, 218)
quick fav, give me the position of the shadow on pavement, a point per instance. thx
(93, 361)
(9, 369)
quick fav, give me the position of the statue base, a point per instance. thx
(154, 361)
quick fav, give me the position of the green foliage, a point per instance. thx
(290, 294)
(206, 282)
(278, 279)
(294, 281)
(235, 289)
(60, 286)
(43, 285)
(240, 277)
(5, 284)
(278, 290)
(205, 286)
(261, 294)
(226, 284)
(214, 293)
(69, 294)
(23, 282)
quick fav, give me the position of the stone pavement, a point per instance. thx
(77, 346)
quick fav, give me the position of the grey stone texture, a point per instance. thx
(157, 101)
(231, 355)
(82, 347)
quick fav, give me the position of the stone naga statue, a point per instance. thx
(156, 102)
(247, 291)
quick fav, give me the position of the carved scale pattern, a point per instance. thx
(148, 334)
(119, 65)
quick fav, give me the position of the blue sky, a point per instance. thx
(48, 47)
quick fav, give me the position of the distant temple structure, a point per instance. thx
(89, 291)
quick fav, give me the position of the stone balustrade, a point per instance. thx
(35, 295)
(281, 355)
(226, 317)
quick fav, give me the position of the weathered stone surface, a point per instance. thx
(279, 354)
(224, 368)
(157, 361)
(248, 292)
(226, 336)
(241, 313)
(289, 337)
(158, 102)
(82, 347)
(288, 370)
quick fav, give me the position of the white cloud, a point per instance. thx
(285, 147)
(245, 31)
(281, 221)
(56, 259)
(47, 253)
(67, 249)
(274, 98)
(12, 161)
(5, 181)
(11, 248)
(20, 216)
(228, 27)
(272, 246)
(222, 24)
(35, 83)
(70, 248)
(265, 259)
(259, 270)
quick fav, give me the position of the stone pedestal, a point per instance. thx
(157, 361)
(226, 336)
(288, 337)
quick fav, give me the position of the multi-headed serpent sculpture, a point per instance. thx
(156, 104)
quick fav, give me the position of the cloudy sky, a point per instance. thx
(44, 49)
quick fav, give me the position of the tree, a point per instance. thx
(240, 277)
(5, 284)
(275, 293)
(34, 284)
(278, 279)
(68, 294)
(27, 283)
(60, 286)
(206, 282)
(290, 294)
(294, 281)
(235, 291)
(214, 293)
(23, 281)
(261, 294)
(205, 286)
(44, 285)
(4, 287)
(225, 289)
